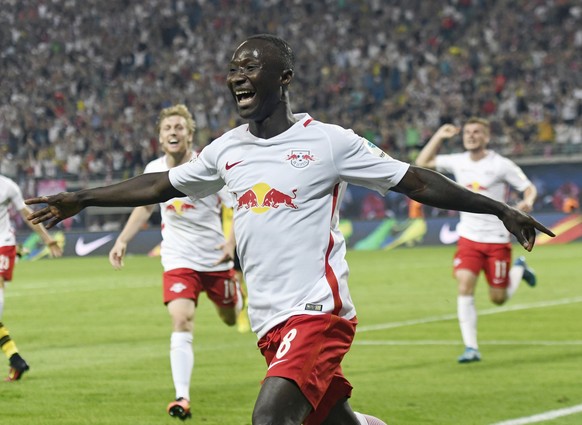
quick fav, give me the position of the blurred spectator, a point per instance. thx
(373, 207)
(566, 198)
(82, 79)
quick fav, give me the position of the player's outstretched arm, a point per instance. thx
(146, 189)
(434, 189)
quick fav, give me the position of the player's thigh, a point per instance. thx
(7, 261)
(308, 350)
(466, 281)
(469, 256)
(280, 401)
(181, 283)
(220, 287)
(498, 265)
(182, 309)
(341, 414)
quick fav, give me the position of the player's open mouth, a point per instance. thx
(173, 142)
(244, 97)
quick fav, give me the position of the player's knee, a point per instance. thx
(182, 323)
(228, 317)
(498, 299)
(229, 321)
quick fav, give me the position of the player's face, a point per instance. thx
(475, 137)
(174, 135)
(255, 79)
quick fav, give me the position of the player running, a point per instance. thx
(10, 194)
(292, 252)
(194, 253)
(484, 242)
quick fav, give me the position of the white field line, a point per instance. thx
(453, 316)
(14, 291)
(542, 417)
(457, 342)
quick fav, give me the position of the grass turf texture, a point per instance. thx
(97, 341)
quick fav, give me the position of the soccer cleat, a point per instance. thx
(528, 274)
(470, 355)
(180, 408)
(17, 368)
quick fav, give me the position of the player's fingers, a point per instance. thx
(41, 216)
(543, 228)
(116, 259)
(37, 213)
(38, 200)
(50, 223)
(529, 238)
(225, 258)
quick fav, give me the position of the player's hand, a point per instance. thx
(116, 255)
(227, 252)
(523, 227)
(447, 131)
(524, 206)
(55, 249)
(60, 206)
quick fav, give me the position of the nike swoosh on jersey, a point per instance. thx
(229, 166)
(82, 248)
(276, 363)
(448, 236)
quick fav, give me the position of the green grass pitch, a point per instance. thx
(97, 341)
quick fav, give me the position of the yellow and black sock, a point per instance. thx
(6, 344)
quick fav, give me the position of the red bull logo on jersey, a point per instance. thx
(300, 158)
(261, 198)
(178, 206)
(475, 187)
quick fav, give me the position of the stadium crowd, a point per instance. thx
(82, 80)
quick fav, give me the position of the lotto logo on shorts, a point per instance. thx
(313, 307)
(177, 287)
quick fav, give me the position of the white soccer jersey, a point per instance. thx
(490, 176)
(9, 194)
(191, 230)
(288, 191)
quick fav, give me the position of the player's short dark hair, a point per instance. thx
(287, 55)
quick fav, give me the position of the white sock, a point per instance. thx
(515, 277)
(368, 420)
(182, 362)
(1, 302)
(467, 314)
(361, 418)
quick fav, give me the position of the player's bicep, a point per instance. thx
(362, 163)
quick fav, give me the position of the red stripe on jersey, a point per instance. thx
(306, 123)
(329, 274)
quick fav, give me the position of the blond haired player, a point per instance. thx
(484, 243)
(195, 255)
